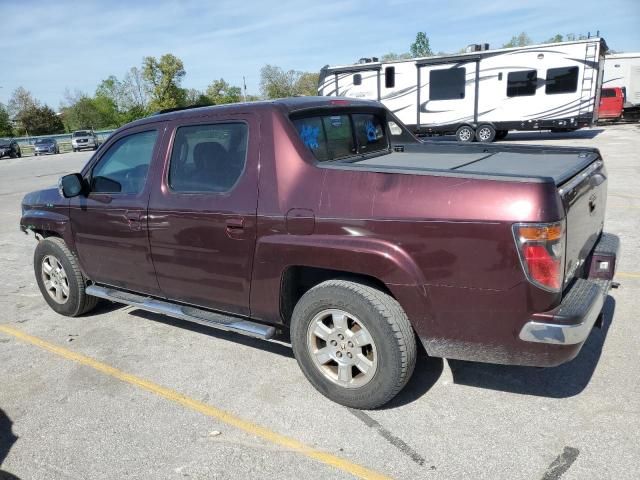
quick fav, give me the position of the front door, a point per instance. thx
(202, 214)
(110, 222)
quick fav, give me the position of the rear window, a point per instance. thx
(331, 137)
(81, 134)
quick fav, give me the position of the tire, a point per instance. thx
(19, 153)
(51, 254)
(485, 133)
(13, 154)
(35, 154)
(501, 134)
(387, 353)
(465, 134)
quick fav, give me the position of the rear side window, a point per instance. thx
(331, 137)
(521, 84)
(447, 84)
(208, 158)
(561, 80)
(123, 167)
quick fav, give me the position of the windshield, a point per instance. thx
(44, 140)
(82, 133)
(331, 137)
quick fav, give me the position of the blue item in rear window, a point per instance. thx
(309, 136)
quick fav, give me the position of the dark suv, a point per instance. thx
(9, 148)
(325, 219)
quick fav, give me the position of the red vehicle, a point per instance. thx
(328, 220)
(611, 103)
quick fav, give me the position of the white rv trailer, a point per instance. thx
(482, 94)
(623, 70)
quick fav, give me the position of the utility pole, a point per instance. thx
(244, 88)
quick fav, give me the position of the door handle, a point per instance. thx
(235, 227)
(133, 219)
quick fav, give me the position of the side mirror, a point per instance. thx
(71, 185)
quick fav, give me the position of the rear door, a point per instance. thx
(202, 214)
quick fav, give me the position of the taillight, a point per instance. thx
(541, 251)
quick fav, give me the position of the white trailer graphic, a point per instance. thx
(483, 94)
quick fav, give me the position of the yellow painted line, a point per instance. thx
(627, 275)
(208, 410)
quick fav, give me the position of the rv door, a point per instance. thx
(447, 94)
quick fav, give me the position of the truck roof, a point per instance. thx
(291, 104)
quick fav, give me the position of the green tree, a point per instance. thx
(165, 77)
(307, 83)
(521, 40)
(38, 120)
(557, 38)
(276, 83)
(421, 47)
(90, 113)
(6, 128)
(21, 100)
(194, 97)
(220, 92)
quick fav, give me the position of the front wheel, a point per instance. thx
(465, 134)
(353, 342)
(60, 279)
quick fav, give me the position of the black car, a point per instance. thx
(9, 148)
(45, 145)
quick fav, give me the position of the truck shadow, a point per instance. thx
(559, 382)
(278, 346)
(7, 439)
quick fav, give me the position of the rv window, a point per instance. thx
(357, 79)
(446, 84)
(331, 137)
(390, 77)
(561, 80)
(520, 84)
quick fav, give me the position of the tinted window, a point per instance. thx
(208, 158)
(357, 79)
(446, 84)
(123, 168)
(522, 83)
(332, 137)
(390, 77)
(608, 92)
(561, 80)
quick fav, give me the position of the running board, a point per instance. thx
(184, 312)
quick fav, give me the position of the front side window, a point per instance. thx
(561, 80)
(522, 84)
(123, 167)
(447, 83)
(208, 158)
(332, 137)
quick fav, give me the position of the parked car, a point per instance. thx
(611, 103)
(84, 139)
(45, 145)
(328, 220)
(9, 148)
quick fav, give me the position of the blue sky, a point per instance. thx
(50, 46)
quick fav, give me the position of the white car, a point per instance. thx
(84, 139)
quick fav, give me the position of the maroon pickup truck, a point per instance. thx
(325, 219)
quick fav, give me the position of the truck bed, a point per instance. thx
(556, 163)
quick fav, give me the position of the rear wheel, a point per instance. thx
(353, 342)
(465, 134)
(485, 133)
(59, 278)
